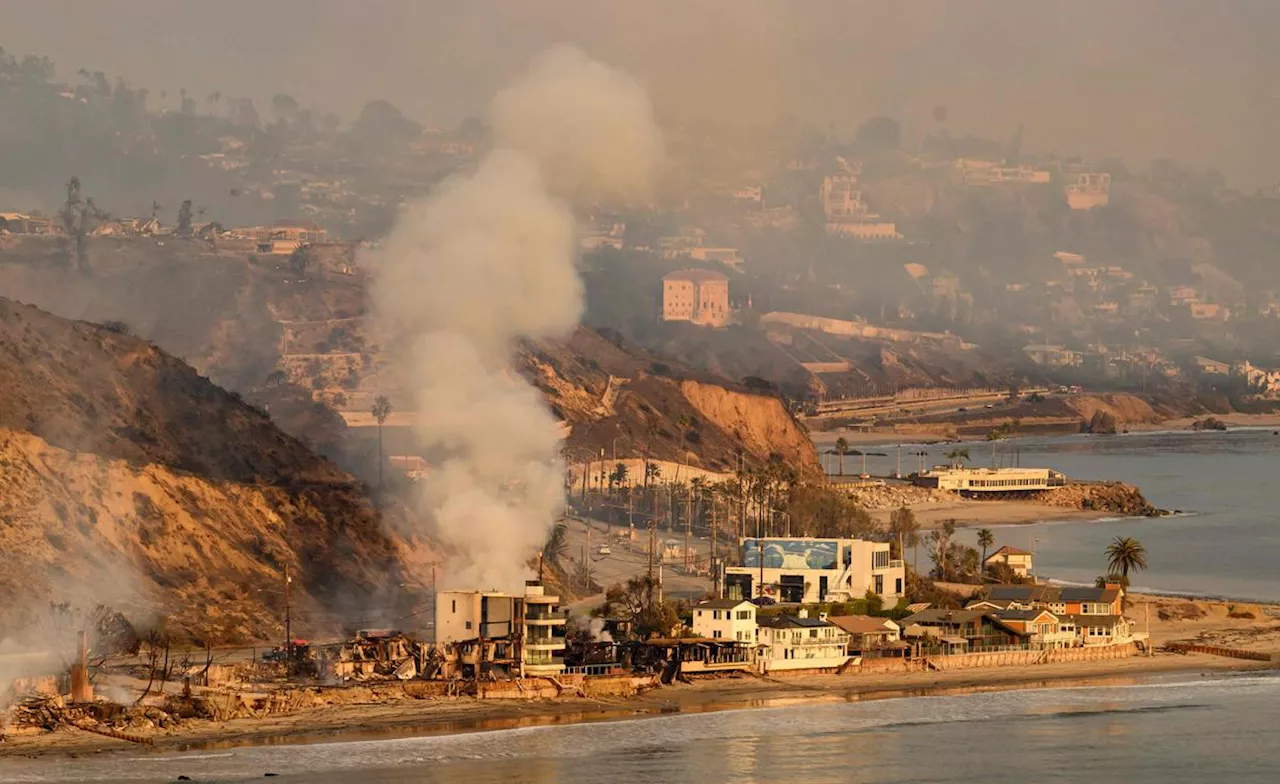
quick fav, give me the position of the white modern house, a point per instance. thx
(804, 570)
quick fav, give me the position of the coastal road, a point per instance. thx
(628, 557)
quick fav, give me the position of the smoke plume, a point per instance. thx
(488, 260)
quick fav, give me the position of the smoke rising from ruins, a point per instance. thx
(490, 259)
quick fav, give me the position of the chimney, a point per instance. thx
(803, 613)
(81, 689)
(822, 616)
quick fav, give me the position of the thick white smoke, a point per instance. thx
(490, 259)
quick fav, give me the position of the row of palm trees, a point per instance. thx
(755, 498)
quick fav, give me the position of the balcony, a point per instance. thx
(548, 644)
(547, 619)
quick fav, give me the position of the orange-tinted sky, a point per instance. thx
(1133, 78)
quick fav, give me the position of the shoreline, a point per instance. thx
(410, 718)
(886, 437)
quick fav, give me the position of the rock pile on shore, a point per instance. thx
(1114, 497)
(894, 496)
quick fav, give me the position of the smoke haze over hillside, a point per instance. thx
(1139, 79)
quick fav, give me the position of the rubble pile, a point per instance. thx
(49, 714)
(380, 656)
(894, 496)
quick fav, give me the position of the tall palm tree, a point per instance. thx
(556, 548)
(381, 410)
(985, 540)
(683, 422)
(842, 448)
(1126, 554)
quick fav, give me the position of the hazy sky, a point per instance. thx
(1191, 79)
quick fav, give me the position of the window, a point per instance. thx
(880, 559)
(744, 615)
(879, 583)
(813, 633)
(453, 605)
(897, 586)
(468, 624)
(716, 615)
(716, 634)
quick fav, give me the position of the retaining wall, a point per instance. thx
(965, 661)
(1217, 650)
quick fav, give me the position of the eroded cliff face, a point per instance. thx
(761, 422)
(150, 541)
(629, 404)
(1124, 408)
(127, 478)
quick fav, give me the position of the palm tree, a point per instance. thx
(381, 409)
(842, 448)
(1126, 554)
(957, 457)
(556, 548)
(684, 423)
(985, 540)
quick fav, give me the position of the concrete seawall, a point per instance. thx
(965, 661)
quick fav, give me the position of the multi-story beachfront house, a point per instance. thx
(798, 642)
(1096, 614)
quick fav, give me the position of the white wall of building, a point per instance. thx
(803, 648)
(736, 623)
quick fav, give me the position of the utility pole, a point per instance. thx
(760, 554)
(898, 473)
(688, 529)
(586, 558)
(652, 531)
(288, 625)
(715, 581)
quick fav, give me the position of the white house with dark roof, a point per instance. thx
(725, 619)
(798, 642)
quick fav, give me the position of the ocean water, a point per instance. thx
(1174, 729)
(1225, 542)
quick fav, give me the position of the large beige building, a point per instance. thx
(697, 296)
(1086, 190)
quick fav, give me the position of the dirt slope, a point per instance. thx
(128, 477)
(631, 404)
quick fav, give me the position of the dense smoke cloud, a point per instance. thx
(488, 260)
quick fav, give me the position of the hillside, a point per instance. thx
(301, 347)
(626, 402)
(128, 478)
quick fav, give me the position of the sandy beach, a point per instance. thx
(931, 514)
(410, 717)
